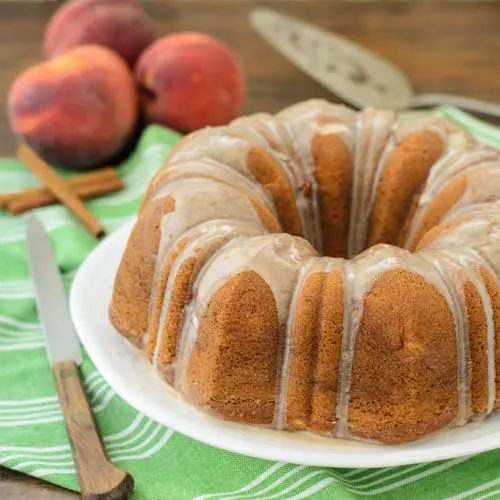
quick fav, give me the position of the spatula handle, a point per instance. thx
(468, 103)
(99, 478)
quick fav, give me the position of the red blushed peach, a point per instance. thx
(77, 110)
(190, 80)
(119, 25)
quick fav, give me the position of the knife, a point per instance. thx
(355, 74)
(99, 479)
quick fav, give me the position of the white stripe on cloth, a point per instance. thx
(249, 486)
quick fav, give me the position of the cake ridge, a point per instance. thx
(302, 122)
(301, 155)
(212, 170)
(280, 148)
(474, 254)
(454, 247)
(475, 276)
(217, 229)
(191, 307)
(309, 267)
(437, 182)
(280, 410)
(475, 209)
(346, 354)
(235, 260)
(458, 309)
(372, 163)
(217, 205)
(219, 145)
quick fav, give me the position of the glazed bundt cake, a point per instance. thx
(323, 270)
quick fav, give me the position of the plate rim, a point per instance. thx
(380, 456)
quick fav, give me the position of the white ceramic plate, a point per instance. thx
(131, 377)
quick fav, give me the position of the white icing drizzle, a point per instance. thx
(469, 261)
(483, 186)
(218, 171)
(346, 354)
(214, 144)
(478, 231)
(197, 201)
(489, 251)
(373, 129)
(275, 258)
(228, 147)
(460, 155)
(360, 275)
(200, 200)
(302, 122)
(205, 234)
(490, 325)
(313, 265)
(288, 137)
(481, 233)
(374, 262)
(265, 131)
(473, 210)
(297, 129)
(280, 408)
(189, 331)
(191, 233)
(394, 136)
(458, 308)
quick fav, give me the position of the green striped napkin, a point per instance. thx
(166, 465)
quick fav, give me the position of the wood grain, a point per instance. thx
(99, 479)
(443, 46)
(16, 486)
(447, 46)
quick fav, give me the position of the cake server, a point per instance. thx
(99, 478)
(355, 74)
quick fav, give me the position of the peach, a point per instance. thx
(76, 110)
(190, 80)
(119, 25)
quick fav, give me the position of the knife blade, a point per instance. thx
(353, 73)
(60, 335)
(99, 479)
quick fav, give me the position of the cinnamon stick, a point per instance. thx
(5, 198)
(60, 189)
(44, 195)
(22, 204)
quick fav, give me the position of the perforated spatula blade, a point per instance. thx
(353, 73)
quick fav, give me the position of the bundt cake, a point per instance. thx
(323, 270)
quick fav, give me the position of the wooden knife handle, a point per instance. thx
(99, 478)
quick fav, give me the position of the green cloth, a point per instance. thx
(166, 465)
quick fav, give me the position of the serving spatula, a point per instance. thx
(355, 74)
(99, 478)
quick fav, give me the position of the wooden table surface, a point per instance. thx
(443, 46)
